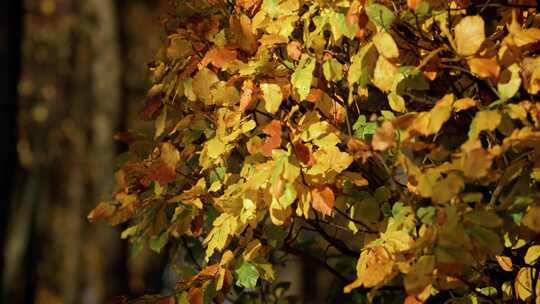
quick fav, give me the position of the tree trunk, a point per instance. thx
(106, 266)
(11, 12)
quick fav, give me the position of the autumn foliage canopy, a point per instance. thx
(394, 143)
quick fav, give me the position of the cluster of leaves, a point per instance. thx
(402, 137)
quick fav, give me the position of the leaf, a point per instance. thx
(218, 57)
(332, 70)
(272, 97)
(340, 27)
(523, 283)
(161, 122)
(202, 83)
(396, 102)
(384, 74)
(157, 243)
(413, 4)
(362, 65)
(385, 137)
(323, 199)
(103, 210)
(420, 276)
(486, 218)
(273, 130)
(248, 96)
(505, 262)
(426, 214)
(487, 239)
(386, 45)
(484, 67)
(195, 295)
(294, 50)
(509, 82)
(532, 255)
(487, 120)
(427, 123)
(303, 154)
(380, 15)
(470, 35)
(247, 274)
(532, 219)
(464, 104)
(302, 76)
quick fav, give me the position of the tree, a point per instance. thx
(394, 144)
(10, 55)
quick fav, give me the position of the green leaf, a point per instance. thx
(340, 27)
(157, 243)
(363, 129)
(247, 275)
(426, 215)
(380, 15)
(333, 70)
(302, 76)
(486, 218)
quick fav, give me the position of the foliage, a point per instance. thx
(398, 136)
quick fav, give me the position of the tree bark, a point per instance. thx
(107, 98)
(11, 14)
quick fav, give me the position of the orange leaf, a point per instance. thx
(162, 173)
(412, 300)
(413, 4)
(218, 57)
(248, 95)
(195, 296)
(273, 130)
(323, 199)
(294, 50)
(505, 262)
(103, 210)
(484, 67)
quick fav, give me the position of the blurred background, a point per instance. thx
(72, 74)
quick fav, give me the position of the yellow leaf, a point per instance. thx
(170, 155)
(428, 123)
(224, 226)
(386, 45)
(509, 82)
(464, 104)
(384, 74)
(487, 120)
(532, 255)
(396, 102)
(202, 84)
(470, 35)
(523, 283)
(272, 97)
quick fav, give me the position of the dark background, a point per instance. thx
(73, 73)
